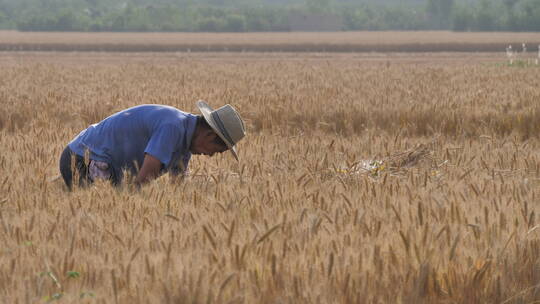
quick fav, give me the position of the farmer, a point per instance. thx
(147, 141)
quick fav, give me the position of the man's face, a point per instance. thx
(208, 143)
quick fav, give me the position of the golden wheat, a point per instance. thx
(412, 180)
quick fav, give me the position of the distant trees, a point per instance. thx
(383, 18)
(262, 15)
(485, 17)
(64, 20)
(318, 6)
(462, 19)
(439, 13)
(506, 15)
(4, 21)
(529, 17)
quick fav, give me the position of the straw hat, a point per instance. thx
(226, 122)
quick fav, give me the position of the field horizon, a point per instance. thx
(383, 41)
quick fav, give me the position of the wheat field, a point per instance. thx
(406, 179)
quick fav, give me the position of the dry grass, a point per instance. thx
(428, 41)
(447, 215)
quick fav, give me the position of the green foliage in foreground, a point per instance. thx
(264, 15)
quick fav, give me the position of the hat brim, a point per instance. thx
(206, 111)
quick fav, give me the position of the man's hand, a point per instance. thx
(149, 171)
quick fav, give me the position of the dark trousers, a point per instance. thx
(72, 165)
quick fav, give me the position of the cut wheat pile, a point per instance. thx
(359, 182)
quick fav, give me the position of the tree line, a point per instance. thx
(264, 15)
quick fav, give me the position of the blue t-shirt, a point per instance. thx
(123, 139)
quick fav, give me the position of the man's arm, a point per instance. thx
(179, 172)
(150, 169)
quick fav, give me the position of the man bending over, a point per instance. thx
(147, 141)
